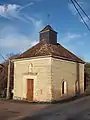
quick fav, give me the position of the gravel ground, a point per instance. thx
(13, 110)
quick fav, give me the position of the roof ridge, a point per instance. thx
(71, 52)
(31, 47)
(49, 50)
(48, 27)
(47, 47)
(43, 48)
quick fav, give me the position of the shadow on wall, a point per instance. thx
(85, 82)
(87, 78)
(77, 88)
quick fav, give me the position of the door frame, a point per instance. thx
(64, 82)
(25, 77)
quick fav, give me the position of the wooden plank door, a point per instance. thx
(30, 89)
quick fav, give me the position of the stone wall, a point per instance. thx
(63, 70)
(41, 75)
(48, 75)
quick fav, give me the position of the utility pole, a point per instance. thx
(8, 81)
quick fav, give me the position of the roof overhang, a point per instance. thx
(47, 56)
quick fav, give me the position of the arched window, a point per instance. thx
(31, 67)
(64, 87)
(76, 87)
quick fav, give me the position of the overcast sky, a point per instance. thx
(21, 21)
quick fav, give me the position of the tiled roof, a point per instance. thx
(48, 27)
(43, 49)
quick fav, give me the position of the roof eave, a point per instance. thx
(54, 56)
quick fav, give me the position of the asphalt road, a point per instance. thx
(75, 110)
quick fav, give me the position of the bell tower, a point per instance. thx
(49, 35)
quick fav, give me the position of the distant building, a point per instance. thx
(48, 71)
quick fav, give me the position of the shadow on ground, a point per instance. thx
(55, 111)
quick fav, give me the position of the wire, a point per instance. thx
(3, 57)
(80, 16)
(82, 9)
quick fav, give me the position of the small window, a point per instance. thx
(64, 87)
